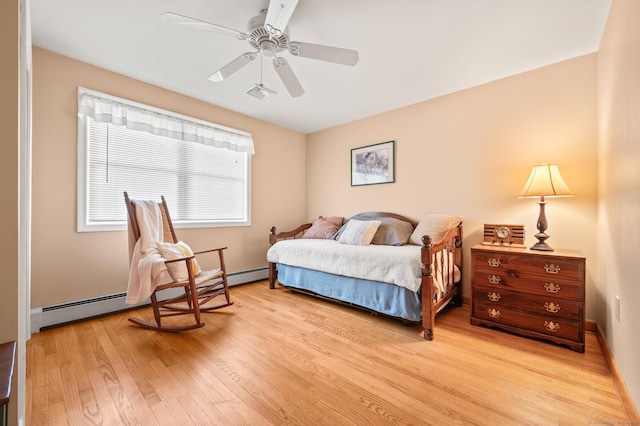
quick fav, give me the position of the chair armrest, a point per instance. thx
(210, 250)
(178, 259)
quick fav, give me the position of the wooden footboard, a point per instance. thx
(437, 259)
(277, 236)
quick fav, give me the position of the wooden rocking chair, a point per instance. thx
(198, 289)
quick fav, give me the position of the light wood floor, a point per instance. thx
(280, 358)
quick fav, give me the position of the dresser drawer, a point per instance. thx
(511, 280)
(548, 325)
(542, 305)
(556, 268)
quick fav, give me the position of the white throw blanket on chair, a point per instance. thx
(147, 269)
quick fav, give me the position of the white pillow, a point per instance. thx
(434, 225)
(359, 232)
(178, 270)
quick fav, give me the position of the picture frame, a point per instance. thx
(373, 164)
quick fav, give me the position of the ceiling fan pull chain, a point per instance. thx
(260, 67)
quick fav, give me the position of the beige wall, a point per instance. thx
(619, 184)
(68, 265)
(470, 153)
(9, 122)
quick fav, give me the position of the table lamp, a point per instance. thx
(545, 181)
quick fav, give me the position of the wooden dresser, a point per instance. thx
(533, 293)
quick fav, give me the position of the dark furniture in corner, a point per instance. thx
(7, 358)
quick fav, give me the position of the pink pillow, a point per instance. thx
(324, 227)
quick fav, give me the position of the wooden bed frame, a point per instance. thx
(451, 243)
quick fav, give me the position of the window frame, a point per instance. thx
(83, 174)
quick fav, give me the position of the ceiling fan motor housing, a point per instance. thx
(260, 39)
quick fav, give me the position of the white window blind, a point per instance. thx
(204, 184)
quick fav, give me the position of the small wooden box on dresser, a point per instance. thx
(533, 293)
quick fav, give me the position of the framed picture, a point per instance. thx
(372, 164)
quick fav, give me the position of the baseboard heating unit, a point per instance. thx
(62, 313)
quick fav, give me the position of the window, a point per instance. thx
(202, 169)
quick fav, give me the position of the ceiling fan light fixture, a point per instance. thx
(260, 92)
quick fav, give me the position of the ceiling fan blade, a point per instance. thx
(288, 77)
(278, 16)
(197, 23)
(336, 55)
(233, 66)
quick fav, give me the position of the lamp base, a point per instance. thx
(541, 244)
(542, 226)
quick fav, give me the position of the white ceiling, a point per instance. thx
(410, 50)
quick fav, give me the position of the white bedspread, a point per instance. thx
(398, 265)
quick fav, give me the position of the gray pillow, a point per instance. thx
(392, 232)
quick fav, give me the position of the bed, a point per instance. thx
(410, 278)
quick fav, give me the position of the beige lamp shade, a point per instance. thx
(545, 181)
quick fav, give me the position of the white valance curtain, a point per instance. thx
(121, 112)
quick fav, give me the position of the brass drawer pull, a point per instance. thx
(494, 313)
(551, 307)
(551, 287)
(494, 279)
(493, 296)
(552, 268)
(493, 262)
(551, 326)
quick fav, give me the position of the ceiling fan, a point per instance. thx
(268, 35)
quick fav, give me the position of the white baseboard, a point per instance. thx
(47, 316)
